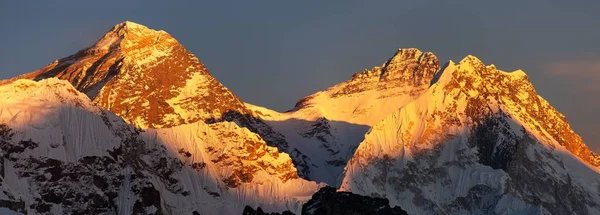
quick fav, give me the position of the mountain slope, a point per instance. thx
(479, 141)
(328, 125)
(62, 154)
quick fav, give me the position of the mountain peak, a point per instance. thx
(129, 36)
(410, 64)
(474, 118)
(472, 69)
(486, 87)
(146, 77)
(471, 60)
(404, 54)
(408, 51)
(372, 93)
(472, 64)
(131, 25)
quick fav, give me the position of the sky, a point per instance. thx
(273, 53)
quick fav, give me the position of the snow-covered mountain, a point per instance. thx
(62, 154)
(327, 126)
(136, 124)
(478, 141)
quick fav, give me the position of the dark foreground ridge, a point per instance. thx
(250, 211)
(329, 202)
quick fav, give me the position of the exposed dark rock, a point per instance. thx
(328, 201)
(149, 196)
(250, 211)
(8, 147)
(494, 150)
(18, 206)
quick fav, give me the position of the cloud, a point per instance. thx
(577, 68)
(582, 75)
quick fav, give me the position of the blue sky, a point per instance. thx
(272, 53)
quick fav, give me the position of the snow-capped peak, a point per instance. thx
(472, 67)
(131, 25)
(410, 65)
(478, 141)
(512, 92)
(406, 53)
(146, 77)
(126, 34)
(470, 59)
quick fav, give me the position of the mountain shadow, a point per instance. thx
(320, 149)
(327, 145)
